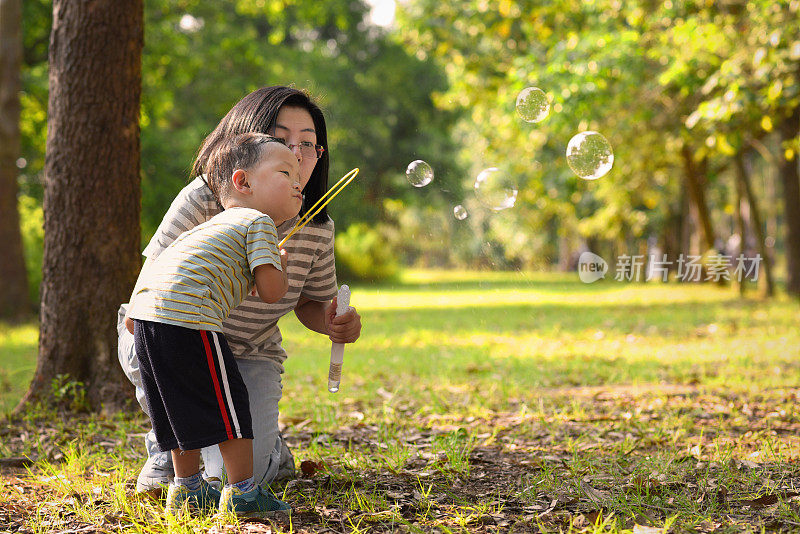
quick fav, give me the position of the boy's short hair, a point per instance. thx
(242, 151)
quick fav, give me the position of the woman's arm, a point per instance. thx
(320, 316)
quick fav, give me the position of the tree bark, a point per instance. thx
(695, 186)
(14, 302)
(92, 195)
(755, 216)
(790, 178)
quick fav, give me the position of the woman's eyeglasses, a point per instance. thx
(308, 149)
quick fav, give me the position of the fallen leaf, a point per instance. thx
(764, 500)
(309, 467)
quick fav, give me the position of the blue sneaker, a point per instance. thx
(254, 503)
(203, 499)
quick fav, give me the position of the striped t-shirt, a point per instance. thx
(252, 328)
(207, 271)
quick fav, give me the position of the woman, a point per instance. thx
(251, 329)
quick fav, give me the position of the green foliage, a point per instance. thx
(69, 394)
(362, 254)
(36, 21)
(200, 58)
(32, 230)
(653, 78)
(376, 97)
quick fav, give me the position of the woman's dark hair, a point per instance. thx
(257, 112)
(231, 153)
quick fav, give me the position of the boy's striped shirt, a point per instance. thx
(207, 271)
(252, 328)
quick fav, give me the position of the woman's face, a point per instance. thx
(295, 126)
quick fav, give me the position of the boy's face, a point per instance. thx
(275, 183)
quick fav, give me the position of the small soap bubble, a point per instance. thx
(532, 104)
(495, 189)
(419, 173)
(460, 212)
(589, 155)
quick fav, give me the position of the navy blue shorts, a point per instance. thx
(192, 384)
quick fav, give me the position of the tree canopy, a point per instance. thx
(680, 89)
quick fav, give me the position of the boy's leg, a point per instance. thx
(196, 397)
(242, 495)
(270, 456)
(186, 463)
(189, 488)
(238, 457)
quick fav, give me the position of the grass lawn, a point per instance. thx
(18, 347)
(480, 402)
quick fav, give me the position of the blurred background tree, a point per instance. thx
(14, 301)
(699, 101)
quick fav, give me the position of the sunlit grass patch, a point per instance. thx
(485, 402)
(18, 346)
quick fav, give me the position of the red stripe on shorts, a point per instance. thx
(217, 390)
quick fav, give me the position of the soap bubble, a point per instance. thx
(589, 155)
(532, 104)
(460, 212)
(419, 173)
(495, 189)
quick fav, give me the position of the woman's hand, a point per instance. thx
(343, 329)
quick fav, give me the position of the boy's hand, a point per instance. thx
(284, 259)
(129, 324)
(343, 329)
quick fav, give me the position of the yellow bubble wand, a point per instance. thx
(327, 197)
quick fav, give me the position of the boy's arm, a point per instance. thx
(271, 282)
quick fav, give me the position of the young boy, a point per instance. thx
(192, 384)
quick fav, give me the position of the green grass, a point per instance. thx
(485, 401)
(18, 347)
(502, 338)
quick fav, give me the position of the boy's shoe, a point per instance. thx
(154, 477)
(205, 498)
(257, 502)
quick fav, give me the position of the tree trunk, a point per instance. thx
(695, 186)
(14, 301)
(91, 200)
(755, 216)
(741, 229)
(790, 178)
(686, 222)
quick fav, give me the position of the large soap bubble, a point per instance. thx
(589, 155)
(495, 189)
(419, 173)
(532, 104)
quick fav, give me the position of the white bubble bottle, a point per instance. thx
(337, 349)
